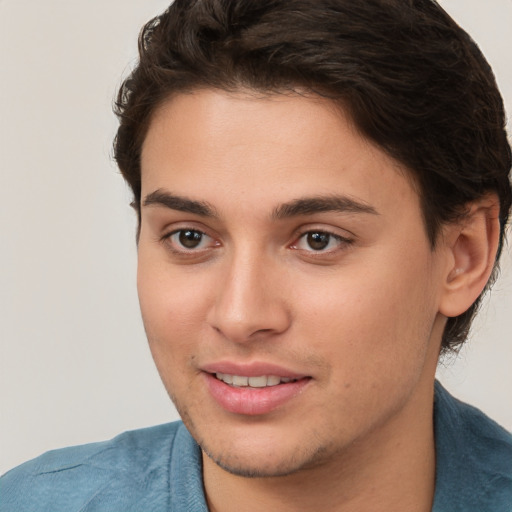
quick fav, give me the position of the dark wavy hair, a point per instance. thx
(410, 78)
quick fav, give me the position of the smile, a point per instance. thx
(254, 394)
(261, 381)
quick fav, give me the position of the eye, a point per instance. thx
(189, 240)
(319, 241)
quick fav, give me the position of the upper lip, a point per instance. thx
(254, 369)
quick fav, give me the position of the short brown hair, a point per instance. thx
(411, 79)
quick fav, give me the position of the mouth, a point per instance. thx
(261, 381)
(255, 394)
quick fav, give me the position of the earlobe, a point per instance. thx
(472, 246)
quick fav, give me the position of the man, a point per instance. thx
(322, 190)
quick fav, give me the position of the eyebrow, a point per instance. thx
(319, 204)
(295, 208)
(183, 204)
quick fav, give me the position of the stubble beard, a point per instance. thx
(302, 458)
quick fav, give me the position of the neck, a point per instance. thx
(392, 468)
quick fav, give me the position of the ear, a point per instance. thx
(472, 245)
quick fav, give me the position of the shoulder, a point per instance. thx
(474, 458)
(130, 472)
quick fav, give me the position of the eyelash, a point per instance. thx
(176, 246)
(184, 251)
(341, 242)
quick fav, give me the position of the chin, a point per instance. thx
(256, 448)
(262, 452)
(249, 466)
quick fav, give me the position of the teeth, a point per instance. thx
(258, 382)
(228, 379)
(272, 380)
(262, 381)
(240, 381)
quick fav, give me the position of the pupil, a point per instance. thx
(318, 241)
(190, 239)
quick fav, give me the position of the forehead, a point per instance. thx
(269, 149)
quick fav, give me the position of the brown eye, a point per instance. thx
(188, 242)
(318, 241)
(190, 239)
(321, 242)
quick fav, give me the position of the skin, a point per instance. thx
(362, 317)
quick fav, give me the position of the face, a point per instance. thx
(288, 290)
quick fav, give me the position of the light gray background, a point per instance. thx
(74, 365)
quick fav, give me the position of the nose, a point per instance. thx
(251, 300)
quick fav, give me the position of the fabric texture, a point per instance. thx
(159, 469)
(473, 459)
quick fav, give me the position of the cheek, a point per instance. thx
(169, 297)
(375, 339)
(173, 305)
(377, 318)
(171, 310)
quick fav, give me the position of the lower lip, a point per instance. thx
(253, 401)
